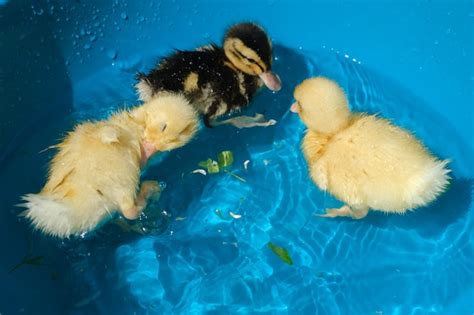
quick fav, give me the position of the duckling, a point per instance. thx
(363, 160)
(96, 172)
(216, 80)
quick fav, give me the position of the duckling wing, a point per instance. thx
(170, 74)
(108, 134)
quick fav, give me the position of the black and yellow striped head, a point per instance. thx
(249, 49)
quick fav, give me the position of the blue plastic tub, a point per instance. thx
(410, 61)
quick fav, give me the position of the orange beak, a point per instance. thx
(147, 150)
(294, 108)
(271, 80)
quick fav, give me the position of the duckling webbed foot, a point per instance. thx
(148, 189)
(128, 227)
(346, 211)
(131, 209)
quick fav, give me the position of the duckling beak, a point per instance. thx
(271, 80)
(147, 150)
(294, 108)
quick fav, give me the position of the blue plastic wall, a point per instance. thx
(48, 49)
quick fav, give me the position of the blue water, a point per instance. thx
(194, 261)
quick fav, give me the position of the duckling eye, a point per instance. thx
(188, 129)
(246, 58)
(251, 60)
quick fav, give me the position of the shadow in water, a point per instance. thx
(36, 95)
(432, 220)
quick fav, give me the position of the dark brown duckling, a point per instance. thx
(216, 80)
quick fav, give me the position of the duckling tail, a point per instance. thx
(48, 215)
(426, 187)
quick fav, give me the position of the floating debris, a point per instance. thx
(235, 176)
(240, 122)
(180, 218)
(87, 300)
(246, 164)
(211, 166)
(235, 215)
(230, 215)
(225, 158)
(32, 261)
(281, 252)
(199, 171)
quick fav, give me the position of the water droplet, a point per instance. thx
(93, 38)
(87, 46)
(346, 56)
(112, 54)
(82, 32)
(124, 16)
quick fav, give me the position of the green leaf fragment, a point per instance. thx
(213, 167)
(210, 165)
(225, 158)
(204, 164)
(34, 261)
(281, 252)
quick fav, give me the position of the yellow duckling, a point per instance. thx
(96, 172)
(362, 159)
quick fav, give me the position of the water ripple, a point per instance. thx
(419, 263)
